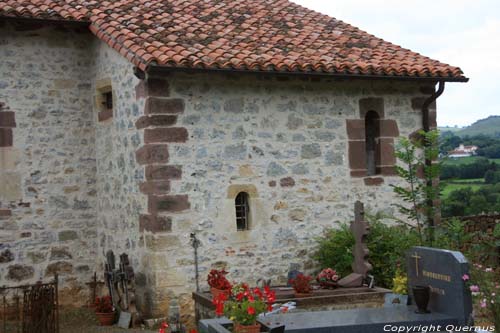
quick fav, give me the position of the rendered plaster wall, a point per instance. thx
(48, 173)
(285, 142)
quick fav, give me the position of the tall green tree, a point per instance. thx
(420, 169)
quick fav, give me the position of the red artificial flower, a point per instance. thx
(193, 331)
(251, 310)
(239, 297)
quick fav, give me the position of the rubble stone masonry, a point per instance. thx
(169, 159)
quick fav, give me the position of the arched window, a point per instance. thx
(372, 133)
(242, 211)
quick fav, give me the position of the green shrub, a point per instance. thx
(387, 245)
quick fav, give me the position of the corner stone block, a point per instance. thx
(152, 153)
(355, 129)
(7, 119)
(387, 170)
(155, 121)
(357, 155)
(157, 87)
(171, 134)
(163, 172)
(155, 223)
(168, 203)
(155, 187)
(6, 137)
(432, 119)
(418, 102)
(389, 128)
(358, 173)
(158, 105)
(387, 156)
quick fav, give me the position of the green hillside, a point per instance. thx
(489, 126)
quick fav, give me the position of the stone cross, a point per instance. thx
(360, 230)
(360, 265)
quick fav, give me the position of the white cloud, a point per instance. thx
(459, 32)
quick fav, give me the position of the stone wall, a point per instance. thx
(120, 202)
(169, 159)
(283, 141)
(48, 172)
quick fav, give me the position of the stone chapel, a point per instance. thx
(256, 124)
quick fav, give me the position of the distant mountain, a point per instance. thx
(489, 126)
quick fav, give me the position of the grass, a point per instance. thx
(467, 160)
(455, 184)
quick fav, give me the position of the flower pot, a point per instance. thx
(106, 318)
(255, 328)
(302, 295)
(421, 294)
(216, 292)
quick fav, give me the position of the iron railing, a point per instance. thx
(30, 308)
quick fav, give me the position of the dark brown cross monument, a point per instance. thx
(360, 266)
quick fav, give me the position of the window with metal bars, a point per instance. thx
(107, 100)
(242, 211)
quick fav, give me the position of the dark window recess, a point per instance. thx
(107, 100)
(242, 211)
(372, 133)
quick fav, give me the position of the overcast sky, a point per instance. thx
(464, 33)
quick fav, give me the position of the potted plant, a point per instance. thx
(244, 306)
(302, 285)
(399, 289)
(104, 310)
(218, 283)
(328, 278)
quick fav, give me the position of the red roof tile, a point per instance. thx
(249, 35)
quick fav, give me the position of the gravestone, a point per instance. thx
(443, 272)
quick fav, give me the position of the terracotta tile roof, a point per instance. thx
(249, 35)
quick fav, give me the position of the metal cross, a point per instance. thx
(417, 257)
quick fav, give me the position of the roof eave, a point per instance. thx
(155, 68)
(54, 21)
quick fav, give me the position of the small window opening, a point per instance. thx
(372, 133)
(107, 100)
(242, 211)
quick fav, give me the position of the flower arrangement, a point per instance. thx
(400, 283)
(244, 304)
(328, 278)
(104, 304)
(484, 284)
(105, 310)
(301, 284)
(217, 279)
